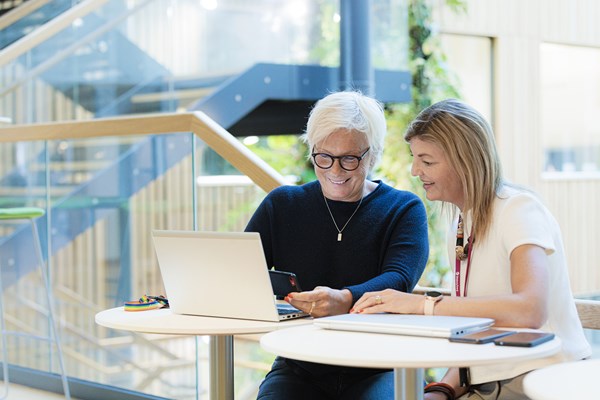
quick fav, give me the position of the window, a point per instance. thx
(570, 104)
(469, 58)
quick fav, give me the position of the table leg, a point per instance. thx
(408, 383)
(221, 367)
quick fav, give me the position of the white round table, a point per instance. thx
(221, 330)
(571, 380)
(407, 355)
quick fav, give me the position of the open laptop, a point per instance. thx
(218, 274)
(405, 324)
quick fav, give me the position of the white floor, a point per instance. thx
(18, 392)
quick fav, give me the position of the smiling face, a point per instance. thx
(440, 180)
(337, 183)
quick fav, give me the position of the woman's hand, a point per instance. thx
(524, 307)
(391, 301)
(322, 301)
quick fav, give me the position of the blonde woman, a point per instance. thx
(505, 246)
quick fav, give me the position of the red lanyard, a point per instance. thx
(460, 255)
(457, 273)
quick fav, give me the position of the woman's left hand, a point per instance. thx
(389, 300)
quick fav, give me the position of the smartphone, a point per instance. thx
(481, 337)
(525, 339)
(283, 283)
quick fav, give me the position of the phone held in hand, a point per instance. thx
(481, 337)
(525, 339)
(283, 283)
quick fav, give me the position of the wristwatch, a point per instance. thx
(431, 298)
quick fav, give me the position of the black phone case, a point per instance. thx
(525, 339)
(283, 283)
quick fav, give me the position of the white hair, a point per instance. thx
(351, 111)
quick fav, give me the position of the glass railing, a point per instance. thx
(105, 184)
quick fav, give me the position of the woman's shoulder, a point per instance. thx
(384, 189)
(396, 201)
(513, 195)
(521, 217)
(294, 191)
(516, 199)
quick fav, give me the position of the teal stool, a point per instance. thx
(31, 213)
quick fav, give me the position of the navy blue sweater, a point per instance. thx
(384, 245)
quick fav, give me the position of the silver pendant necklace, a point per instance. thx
(339, 236)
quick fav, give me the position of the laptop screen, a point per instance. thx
(216, 274)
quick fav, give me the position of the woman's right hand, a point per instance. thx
(322, 301)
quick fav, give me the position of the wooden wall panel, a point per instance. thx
(518, 28)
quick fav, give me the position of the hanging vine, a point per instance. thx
(431, 82)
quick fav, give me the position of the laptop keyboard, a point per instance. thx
(287, 310)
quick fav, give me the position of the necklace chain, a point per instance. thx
(339, 236)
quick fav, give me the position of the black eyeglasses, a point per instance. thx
(349, 163)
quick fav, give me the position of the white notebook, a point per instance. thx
(218, 274)
(401, 324)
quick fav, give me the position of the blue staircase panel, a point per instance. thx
(238, 96)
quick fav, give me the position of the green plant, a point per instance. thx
(287, 154)
(431, 81)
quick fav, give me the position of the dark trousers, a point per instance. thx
(288, 380)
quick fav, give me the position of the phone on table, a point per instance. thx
(283, 283)
(481, 337)
(525, 339)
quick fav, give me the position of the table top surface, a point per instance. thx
(572, 380)
(378, 350)
(164, 321)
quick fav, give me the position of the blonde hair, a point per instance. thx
(351, 111)
(468, 143)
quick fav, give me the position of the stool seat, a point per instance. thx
(21, 213)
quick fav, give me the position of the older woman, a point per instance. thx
(505, 245)
(342, 235)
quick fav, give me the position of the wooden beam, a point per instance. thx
(198, 123)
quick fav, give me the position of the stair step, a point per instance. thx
(36, 191)
(71, 166)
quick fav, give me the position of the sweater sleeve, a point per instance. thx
(405, 255)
